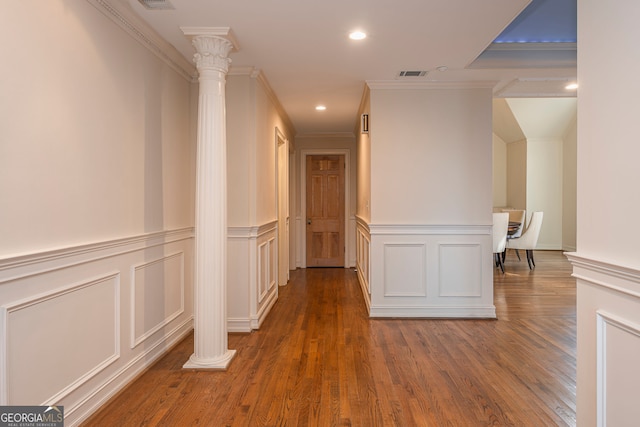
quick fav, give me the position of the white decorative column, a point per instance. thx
(210, 289)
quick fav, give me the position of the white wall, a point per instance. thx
(427, 168)
(363, 169)
(92, 149)
(241, 149)
(544, 188)
(97, 180)
(499, 172)
(569, 187)
(607, 261)
(517, 174)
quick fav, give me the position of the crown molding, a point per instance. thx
(121, 13)
(326, 135)
(259, 76)
(429, 85)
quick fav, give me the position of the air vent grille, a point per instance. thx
(156, 4)
(412, 73)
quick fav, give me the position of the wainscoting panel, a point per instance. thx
(157, 295)
(608, 337)
(41, 331)
(363, 255)
(455, 281)
(426, 271)
(252, 265)
(79, 323)
(405, 270)
(618, 348)
(264, 270)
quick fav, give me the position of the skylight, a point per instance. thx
(543, 21)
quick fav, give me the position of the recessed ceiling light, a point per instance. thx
(320, 107)
(571, 86)
(357, 35)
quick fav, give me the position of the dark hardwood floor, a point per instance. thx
(318, 360)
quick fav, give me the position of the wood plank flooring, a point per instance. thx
(318, 360)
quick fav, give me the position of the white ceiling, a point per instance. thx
(303, 50)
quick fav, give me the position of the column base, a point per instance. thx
(216, 364)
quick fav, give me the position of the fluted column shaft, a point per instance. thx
(210, 281)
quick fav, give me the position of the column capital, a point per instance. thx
(213, 45)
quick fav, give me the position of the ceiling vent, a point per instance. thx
(156, 4)
(404, 74)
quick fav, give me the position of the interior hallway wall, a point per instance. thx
(427, 242)
(97, 173)
(499, 172)
(253, 115)
(607, 261)
(569, 187)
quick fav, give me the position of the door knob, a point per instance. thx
(308, 222)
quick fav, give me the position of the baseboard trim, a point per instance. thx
(433, 312)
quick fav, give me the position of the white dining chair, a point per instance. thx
(529, 239)
(500, 229)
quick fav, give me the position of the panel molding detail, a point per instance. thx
(454, 281)
(363, 258)
(615, 383)
(266, 268)
(405, 270)
(29, 313)
(252, 273)
(139, 296)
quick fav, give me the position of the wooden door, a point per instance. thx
(325, 211)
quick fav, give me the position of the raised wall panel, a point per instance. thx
(405, 270)
(263, 270)
(157, 295)
(273, 266)
(363, 254)
(460, 267)
(253, 268)
(51, 346)
(618, 348)
(267, 267)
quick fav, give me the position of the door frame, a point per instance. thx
(303, 197)
(283, 202)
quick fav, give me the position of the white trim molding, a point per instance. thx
(125, 17)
